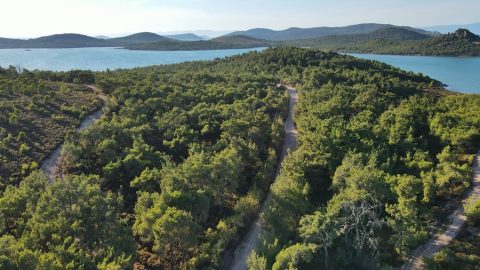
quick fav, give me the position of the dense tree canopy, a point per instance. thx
(395, 40)
(175, 172)
(36, 112)
(376, 156)
(70, 224)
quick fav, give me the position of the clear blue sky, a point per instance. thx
(31, 18)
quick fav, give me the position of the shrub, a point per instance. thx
(472, 210)
(21, 136)
(59, 118)
(24, 149)
(12, 119)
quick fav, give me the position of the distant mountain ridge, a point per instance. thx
(398, 41)
(369, 38)
(249, 38)
(81, 41)
(316, 32)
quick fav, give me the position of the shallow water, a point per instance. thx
(99, 59)
(460, 74)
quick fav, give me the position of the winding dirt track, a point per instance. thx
(457, 220)
(51, 163)
(250, 241)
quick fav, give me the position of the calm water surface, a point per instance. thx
(100, 59)
(460, 74)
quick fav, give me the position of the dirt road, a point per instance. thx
(51, 163)
(250, 241)
(457, 220)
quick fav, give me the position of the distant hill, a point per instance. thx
(230, 42)
(445, 29)
(54, 41)
(68, 40)
(138, 38)
(397, 33)
(459, 43)
(316, 32)
(342, 41)
(79, 41)
(242, 41)
(185, 37)
(10, 43)
(138, 41)
(399, 41)
(373, 38)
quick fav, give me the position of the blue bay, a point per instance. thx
(461, 74)
(458, 73)
(100, 59)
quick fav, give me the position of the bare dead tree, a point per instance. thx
(362, 220)
(19, 69)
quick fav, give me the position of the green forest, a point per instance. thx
(398, 41)
(174, 173)
(35, 115)
(378, 158)
(219, 43)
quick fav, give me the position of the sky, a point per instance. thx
(33, 18)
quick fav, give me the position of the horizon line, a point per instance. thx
(179, 32)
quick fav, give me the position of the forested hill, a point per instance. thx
(362, 38)
(340, 42)
(151, 41)
(138, 38)
(177, 169)
(316, 32)
(79, 41)
(138, 41)
(399, 41)
(54, 41)
(220, 43)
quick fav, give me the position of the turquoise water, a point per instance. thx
(460, 74)
(100, 59)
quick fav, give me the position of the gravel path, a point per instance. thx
(250, 241)
(457, 220)
(51, 163)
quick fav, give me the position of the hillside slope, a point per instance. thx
(399, 41)
(138, 38)
(316, 32)
(341, 41)
(226, 42)
(138, 41)
(35, 116)
(54, 41)
(185, 37)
